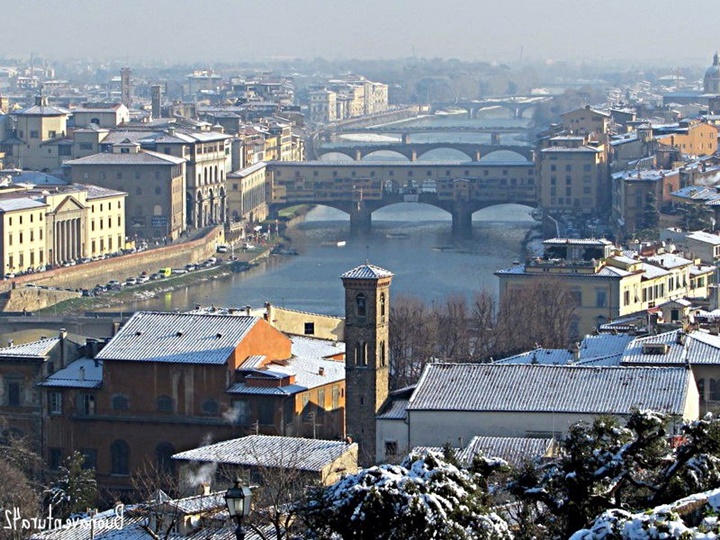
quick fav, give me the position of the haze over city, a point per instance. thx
(658, 31)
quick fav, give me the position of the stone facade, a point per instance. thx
(367, 308)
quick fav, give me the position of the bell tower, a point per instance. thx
(367, 307)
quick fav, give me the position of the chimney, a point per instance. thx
(81, 374)
(205, 486)
(321, 371)
(62, 336)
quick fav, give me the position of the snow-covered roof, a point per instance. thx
(271, 451)
(367, 271)
(34, 349)
(537, 388)
(704, 237)
(514, 450)
(82, 373)
(681, 349)
(178, 338)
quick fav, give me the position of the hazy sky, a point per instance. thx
(227, 30)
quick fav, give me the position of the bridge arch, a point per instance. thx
(463, 151)
(386, 155)
(336, 156)
(503, 155)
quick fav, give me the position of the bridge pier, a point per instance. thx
(406, 138)
(360, 219)
(461, 221)
(358, 155)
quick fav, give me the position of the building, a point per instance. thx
(154, 182)
(55, 224)
(690, 136)
(22, 367)
(208, 161)
(247, 194)
(323, 107)
(588, 122)
(168, 381)
(104, 115)
(40, 141)
(367, 342)
(453, 403)
(637, 193)
(260, 456)
(711, 80)
(573, 176)
(607, 284)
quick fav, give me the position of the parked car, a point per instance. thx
(131, 281)
(156, 276)
(10, 275)
(179, 271)
(190, 267)
(113, 283)
(247, 245)
(143, 279)
(222, 248)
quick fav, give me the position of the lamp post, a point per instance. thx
(238, 499)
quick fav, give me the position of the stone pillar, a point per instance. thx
(360, 218)
(406, 138)
(413, 155)
(358, 154)
(495, 138)
(478, 155)
(461, 220)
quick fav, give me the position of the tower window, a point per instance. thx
(382, 307)
(361, 306)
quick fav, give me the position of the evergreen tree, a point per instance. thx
(423, 498)
(75, 490)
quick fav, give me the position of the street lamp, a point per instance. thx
(238, 499)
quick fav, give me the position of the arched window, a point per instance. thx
(361, 305)
(119, 457)
(163, 458)
(382, 307)
(215, 174)
(120, 402)
(164, 403)
(205, 171)
(210, 406)
(382, 353)
(361, 356)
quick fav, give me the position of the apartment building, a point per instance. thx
(573, 175)
(247, 195)
(690, 136)
(607, 284)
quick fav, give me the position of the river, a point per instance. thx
(412, 240)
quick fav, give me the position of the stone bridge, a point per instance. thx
(413, 151)
(518, 105)
(361, 188)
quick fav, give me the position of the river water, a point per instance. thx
(412, 240)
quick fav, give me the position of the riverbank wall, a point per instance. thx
(85, 276)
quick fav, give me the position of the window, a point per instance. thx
(55, 403)
(120, 403)
(241, 410)
(382, 307)
(164, 404)
(90, 458)
(335, 396)
(13, 393)
(309, 328)
(55, 456)
(163, 458)
(210, 407)
(119, 458)
(361, 306)
(86, 404)
(34, 134)
(600, 298)
(391, 449)
(266, 412)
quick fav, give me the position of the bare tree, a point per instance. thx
(453, 336)
(412, 339)
(482, 324)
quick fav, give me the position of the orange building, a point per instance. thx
(168, 382)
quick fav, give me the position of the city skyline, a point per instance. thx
(176, 31)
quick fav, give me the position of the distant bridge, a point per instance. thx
(413, 151)
(402, 129)
(360, 188)
(517, 104)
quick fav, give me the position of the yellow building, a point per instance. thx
(587, 122)
(573, 176)
(59, 224)
(40, 130)
(690, 137)
(246, 194)
(607, 284)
